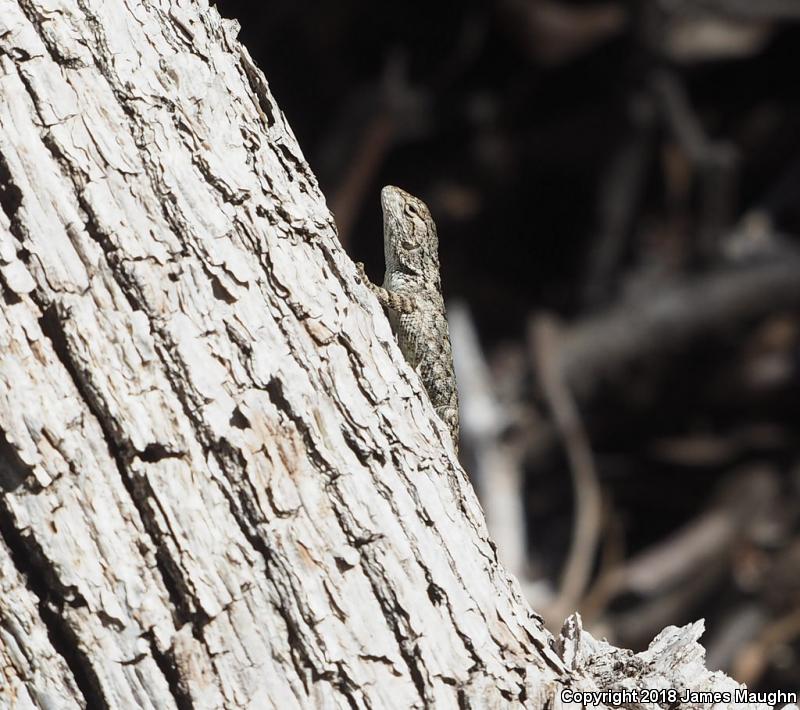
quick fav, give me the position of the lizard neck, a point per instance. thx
(405, 283)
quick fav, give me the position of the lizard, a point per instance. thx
(412, 296)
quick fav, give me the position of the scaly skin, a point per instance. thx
(412, 295)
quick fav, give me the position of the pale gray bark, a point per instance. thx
(220, 485)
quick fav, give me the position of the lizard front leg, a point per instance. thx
(398, 302)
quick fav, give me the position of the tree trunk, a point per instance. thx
(220, 485)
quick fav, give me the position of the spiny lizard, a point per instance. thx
(412, 295)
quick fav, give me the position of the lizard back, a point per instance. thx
(418, 318)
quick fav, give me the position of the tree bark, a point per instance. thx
(220, 484)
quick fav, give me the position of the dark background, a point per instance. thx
(585, 159)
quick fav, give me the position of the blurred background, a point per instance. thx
(617, 189)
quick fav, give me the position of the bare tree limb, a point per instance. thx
(601, 347)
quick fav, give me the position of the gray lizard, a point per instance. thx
(412, 295)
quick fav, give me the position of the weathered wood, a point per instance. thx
(220, 485)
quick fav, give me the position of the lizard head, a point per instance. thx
(410, 243)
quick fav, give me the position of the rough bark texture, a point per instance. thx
(220, 486)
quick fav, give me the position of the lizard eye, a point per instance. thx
(411, 210)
